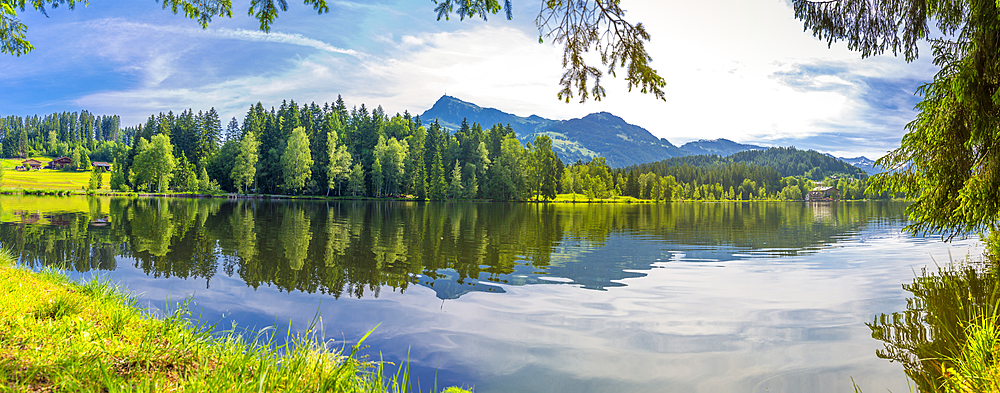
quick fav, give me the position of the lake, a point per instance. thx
(692, 297)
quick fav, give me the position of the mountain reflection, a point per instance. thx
(356, 248)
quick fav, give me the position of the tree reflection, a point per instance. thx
(360, 248)
(933, 330)
(295, 237)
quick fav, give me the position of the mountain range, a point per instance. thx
(862, 162)
(597, 134)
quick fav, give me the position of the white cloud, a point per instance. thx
(741, 70)
(137, 29)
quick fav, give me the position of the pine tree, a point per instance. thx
(233, 130)
(74, 162)
(437, 186)
(95, 180)
(204, 183)
(455, 188)
(85, 163)
(338, 167)
(356, 184)
(118, 182)
(377, 178)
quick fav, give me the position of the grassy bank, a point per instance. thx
(58, 335)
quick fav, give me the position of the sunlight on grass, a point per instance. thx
(57, 335)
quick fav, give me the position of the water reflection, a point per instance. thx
(945, 307)
(358, 248)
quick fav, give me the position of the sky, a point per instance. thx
(743, 70)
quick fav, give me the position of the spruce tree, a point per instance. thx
(437, 186)
(455, 188)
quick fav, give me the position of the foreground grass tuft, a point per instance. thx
(57, 335)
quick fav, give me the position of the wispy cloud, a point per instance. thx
(756, 79)
(224, 33)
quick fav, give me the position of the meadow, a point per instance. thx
(45, 179)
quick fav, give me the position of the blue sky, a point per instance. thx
(737, 69)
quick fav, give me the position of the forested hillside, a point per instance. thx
(595, 135)
(307, 149)
(335, 151)
(721, 146)
(787, 161)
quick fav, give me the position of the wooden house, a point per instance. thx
(823, 194)
(30, 163)
(59, 163)
(101, 165)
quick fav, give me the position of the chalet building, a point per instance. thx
(59, 163)
(104, 166)
(823, 194)
(29, 164)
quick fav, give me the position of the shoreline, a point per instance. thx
(58, 334)
(560, 199)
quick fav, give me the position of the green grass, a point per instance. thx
(49, 179)
(948, 337)
(580, 198)
(58, 335)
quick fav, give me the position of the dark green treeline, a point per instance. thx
(332, 150)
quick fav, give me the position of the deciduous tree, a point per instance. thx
(296, 161)
(154, 163)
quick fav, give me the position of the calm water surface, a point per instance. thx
(686, 297)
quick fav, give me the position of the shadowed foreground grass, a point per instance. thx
(58, 335)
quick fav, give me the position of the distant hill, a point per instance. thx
(720, 147)
(598, 134)
(788, 161)
(607, 135)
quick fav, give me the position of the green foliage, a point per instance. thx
(438, 187)
(543, 168)
(388, 170)
(74, 163)
(83, 334)
(184, 178)
(946, 338)
(791, 193)
(245, 167)
(338, 163)
(356, 183)
(455, 188)
(96, 180)
(12, 30)
(948, 161)
(118, 182)
(204, 183)
(154, 164)
(296, 162)
(220, 165)
(582, 25)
